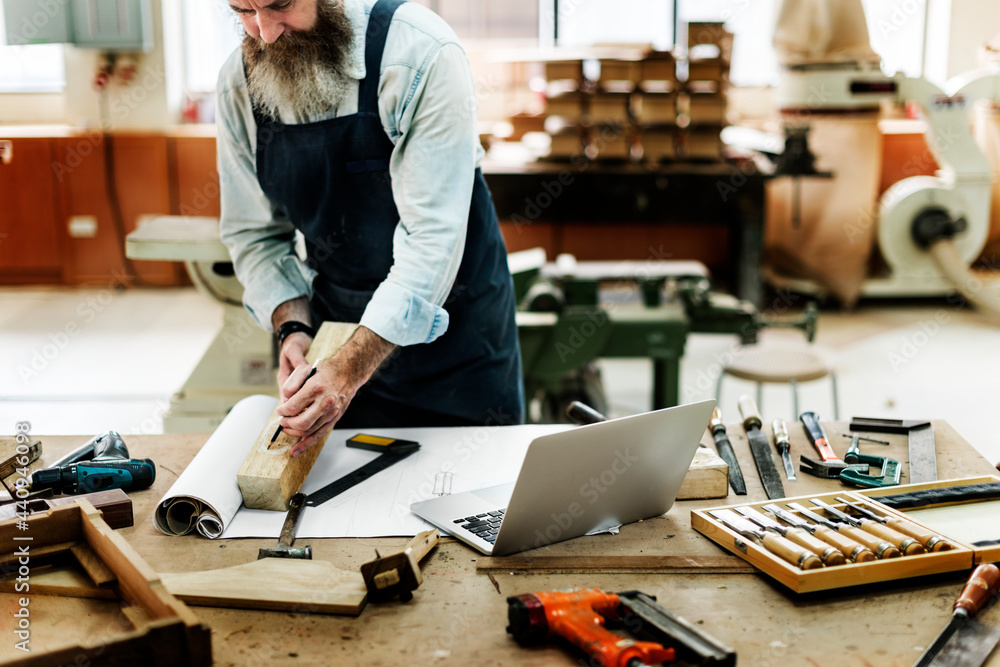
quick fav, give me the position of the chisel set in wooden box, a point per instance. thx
(848, 538)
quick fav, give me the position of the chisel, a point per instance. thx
(906, 544)
(826, 552)
(933, 543)
(725, 449)
(964, 641)
(791, 552)
(761, 449)
(784, 446)
(854, 551)
(881, 548)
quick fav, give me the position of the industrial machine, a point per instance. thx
(930, 228)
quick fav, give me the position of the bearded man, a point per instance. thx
(354, 122)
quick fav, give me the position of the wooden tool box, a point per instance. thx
(963, 556)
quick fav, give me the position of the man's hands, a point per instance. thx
(311, 407)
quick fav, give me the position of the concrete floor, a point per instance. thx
(82, 361)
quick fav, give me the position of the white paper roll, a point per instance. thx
(206, 496)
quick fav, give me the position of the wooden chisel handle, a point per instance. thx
(881, 548)
(749, 412)
(982, 585)
(826, 552)
(858, 553)
(933, 543)
(791, 552)
(908, 545)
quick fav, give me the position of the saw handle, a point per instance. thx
(749, 412)
(817, 436)
(982, 585)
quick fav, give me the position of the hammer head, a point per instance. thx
(285, 551)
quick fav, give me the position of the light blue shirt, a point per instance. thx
(427, 104)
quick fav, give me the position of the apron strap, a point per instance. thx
(378, 29)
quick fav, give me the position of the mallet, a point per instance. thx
(284, 548)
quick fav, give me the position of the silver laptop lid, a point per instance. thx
(601, 475)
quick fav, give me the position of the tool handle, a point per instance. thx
(715, 423)
(982, 585)
(857, 552)
(827, 553)
(780, 430)
(793, 553)
(295, 505)
(908, 545)
(581, 413)
(881, 548)
(421, 545)
(933, 543)
(749, 412)
(817, 436)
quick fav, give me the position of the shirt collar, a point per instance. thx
(354, 65)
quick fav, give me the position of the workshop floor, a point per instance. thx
(81, 361)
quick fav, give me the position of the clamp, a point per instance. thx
(891, 469)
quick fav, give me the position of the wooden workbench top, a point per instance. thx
(458, 616)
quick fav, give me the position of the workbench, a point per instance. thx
(458, 615)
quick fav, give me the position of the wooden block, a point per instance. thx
(566, 144)
(95, 568)
(619, 70)
(658, 145)
(614, 144)
(281, 584)
(703, 144)
(707, 108)
(269, 477)
(609, 108)
(115, 506)
(572, 69)
(708, 477)
(709, 33)
(707, 69)
(656, 108)
(567, 105)
(11, 460)
(659, 68)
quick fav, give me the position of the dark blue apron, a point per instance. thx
(331, 179)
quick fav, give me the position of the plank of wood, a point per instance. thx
(269, 477)
(115, 506)
(281, 584)
(708, 477)
(11, 460)
(63, 581)
(94, 567)
(617, 564)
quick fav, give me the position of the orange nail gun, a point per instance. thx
(580, 617)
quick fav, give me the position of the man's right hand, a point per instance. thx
(291, 355)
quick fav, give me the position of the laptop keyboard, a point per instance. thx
(485, 525)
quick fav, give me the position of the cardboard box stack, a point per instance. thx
(703, 102)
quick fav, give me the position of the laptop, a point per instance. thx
(586, 479)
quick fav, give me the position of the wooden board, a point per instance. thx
(277, 584)
(269, 477)
(115, 506)
(708, 477)
(11, 460)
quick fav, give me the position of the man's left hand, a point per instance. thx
(312, 411)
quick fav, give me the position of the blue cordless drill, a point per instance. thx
(108, 467)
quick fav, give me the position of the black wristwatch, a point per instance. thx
(293, 326)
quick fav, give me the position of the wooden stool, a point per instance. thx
(785, 363)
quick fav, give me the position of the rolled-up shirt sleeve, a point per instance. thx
(430, 114)
(260, 241)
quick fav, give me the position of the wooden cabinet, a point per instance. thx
(54, 179)
(30, 238)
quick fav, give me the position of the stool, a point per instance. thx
(789, 363)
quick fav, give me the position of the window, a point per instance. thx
(589, 22)
(38, 68)
(211, 33)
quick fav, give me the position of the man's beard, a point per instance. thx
(298, 77)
